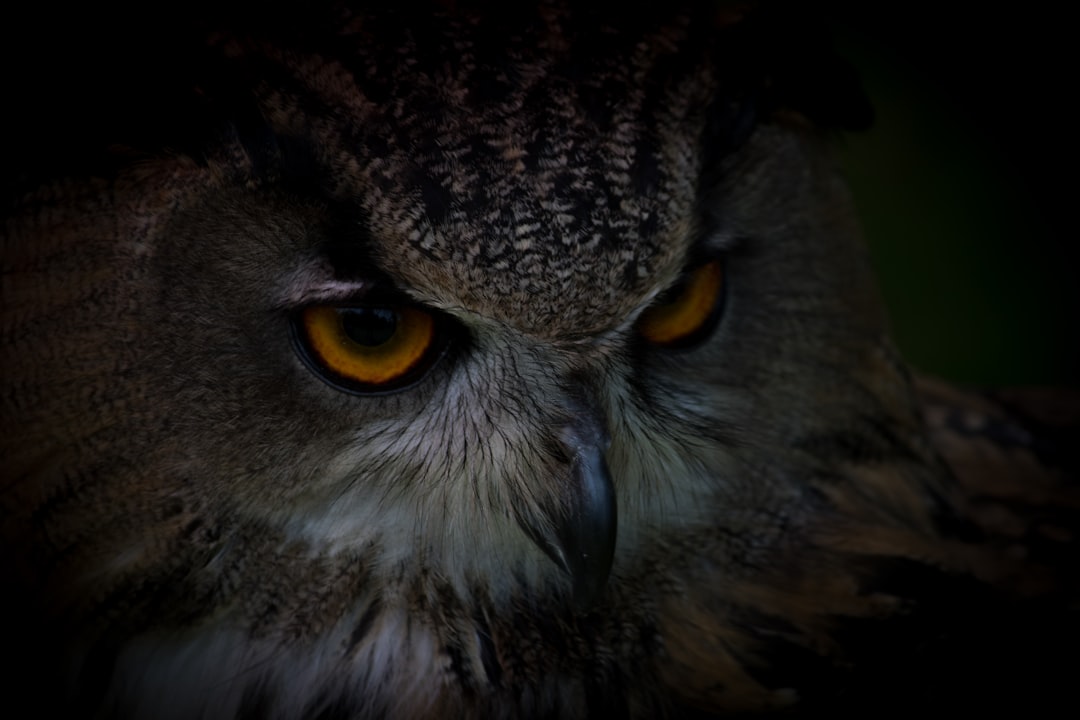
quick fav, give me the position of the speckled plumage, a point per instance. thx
(197, 526)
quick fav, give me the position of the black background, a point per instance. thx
(966, 184)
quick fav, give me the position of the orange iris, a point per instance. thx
(368, 346)
(689, 313)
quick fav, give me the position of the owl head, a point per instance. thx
(374, 341)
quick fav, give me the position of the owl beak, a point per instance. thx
(579, 534)
(587, 535)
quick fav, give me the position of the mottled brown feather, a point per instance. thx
(194, 523)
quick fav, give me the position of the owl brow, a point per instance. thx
(710, 242)
(314, 283)
(340, 273)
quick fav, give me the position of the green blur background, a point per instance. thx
(965, 186)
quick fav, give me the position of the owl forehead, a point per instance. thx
(542, 171)
(571, 225)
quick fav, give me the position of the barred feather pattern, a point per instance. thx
(194, 526)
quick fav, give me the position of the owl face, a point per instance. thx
(447, 315)
(531, 232)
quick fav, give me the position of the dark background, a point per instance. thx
(966, 184)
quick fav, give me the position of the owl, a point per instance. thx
(491, 361)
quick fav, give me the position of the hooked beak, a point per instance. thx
(579, 534)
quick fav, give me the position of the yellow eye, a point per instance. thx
(367, 348)
(690, 313)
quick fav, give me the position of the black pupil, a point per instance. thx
(369, 326)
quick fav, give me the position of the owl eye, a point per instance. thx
(689, 313)
(367, 348)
